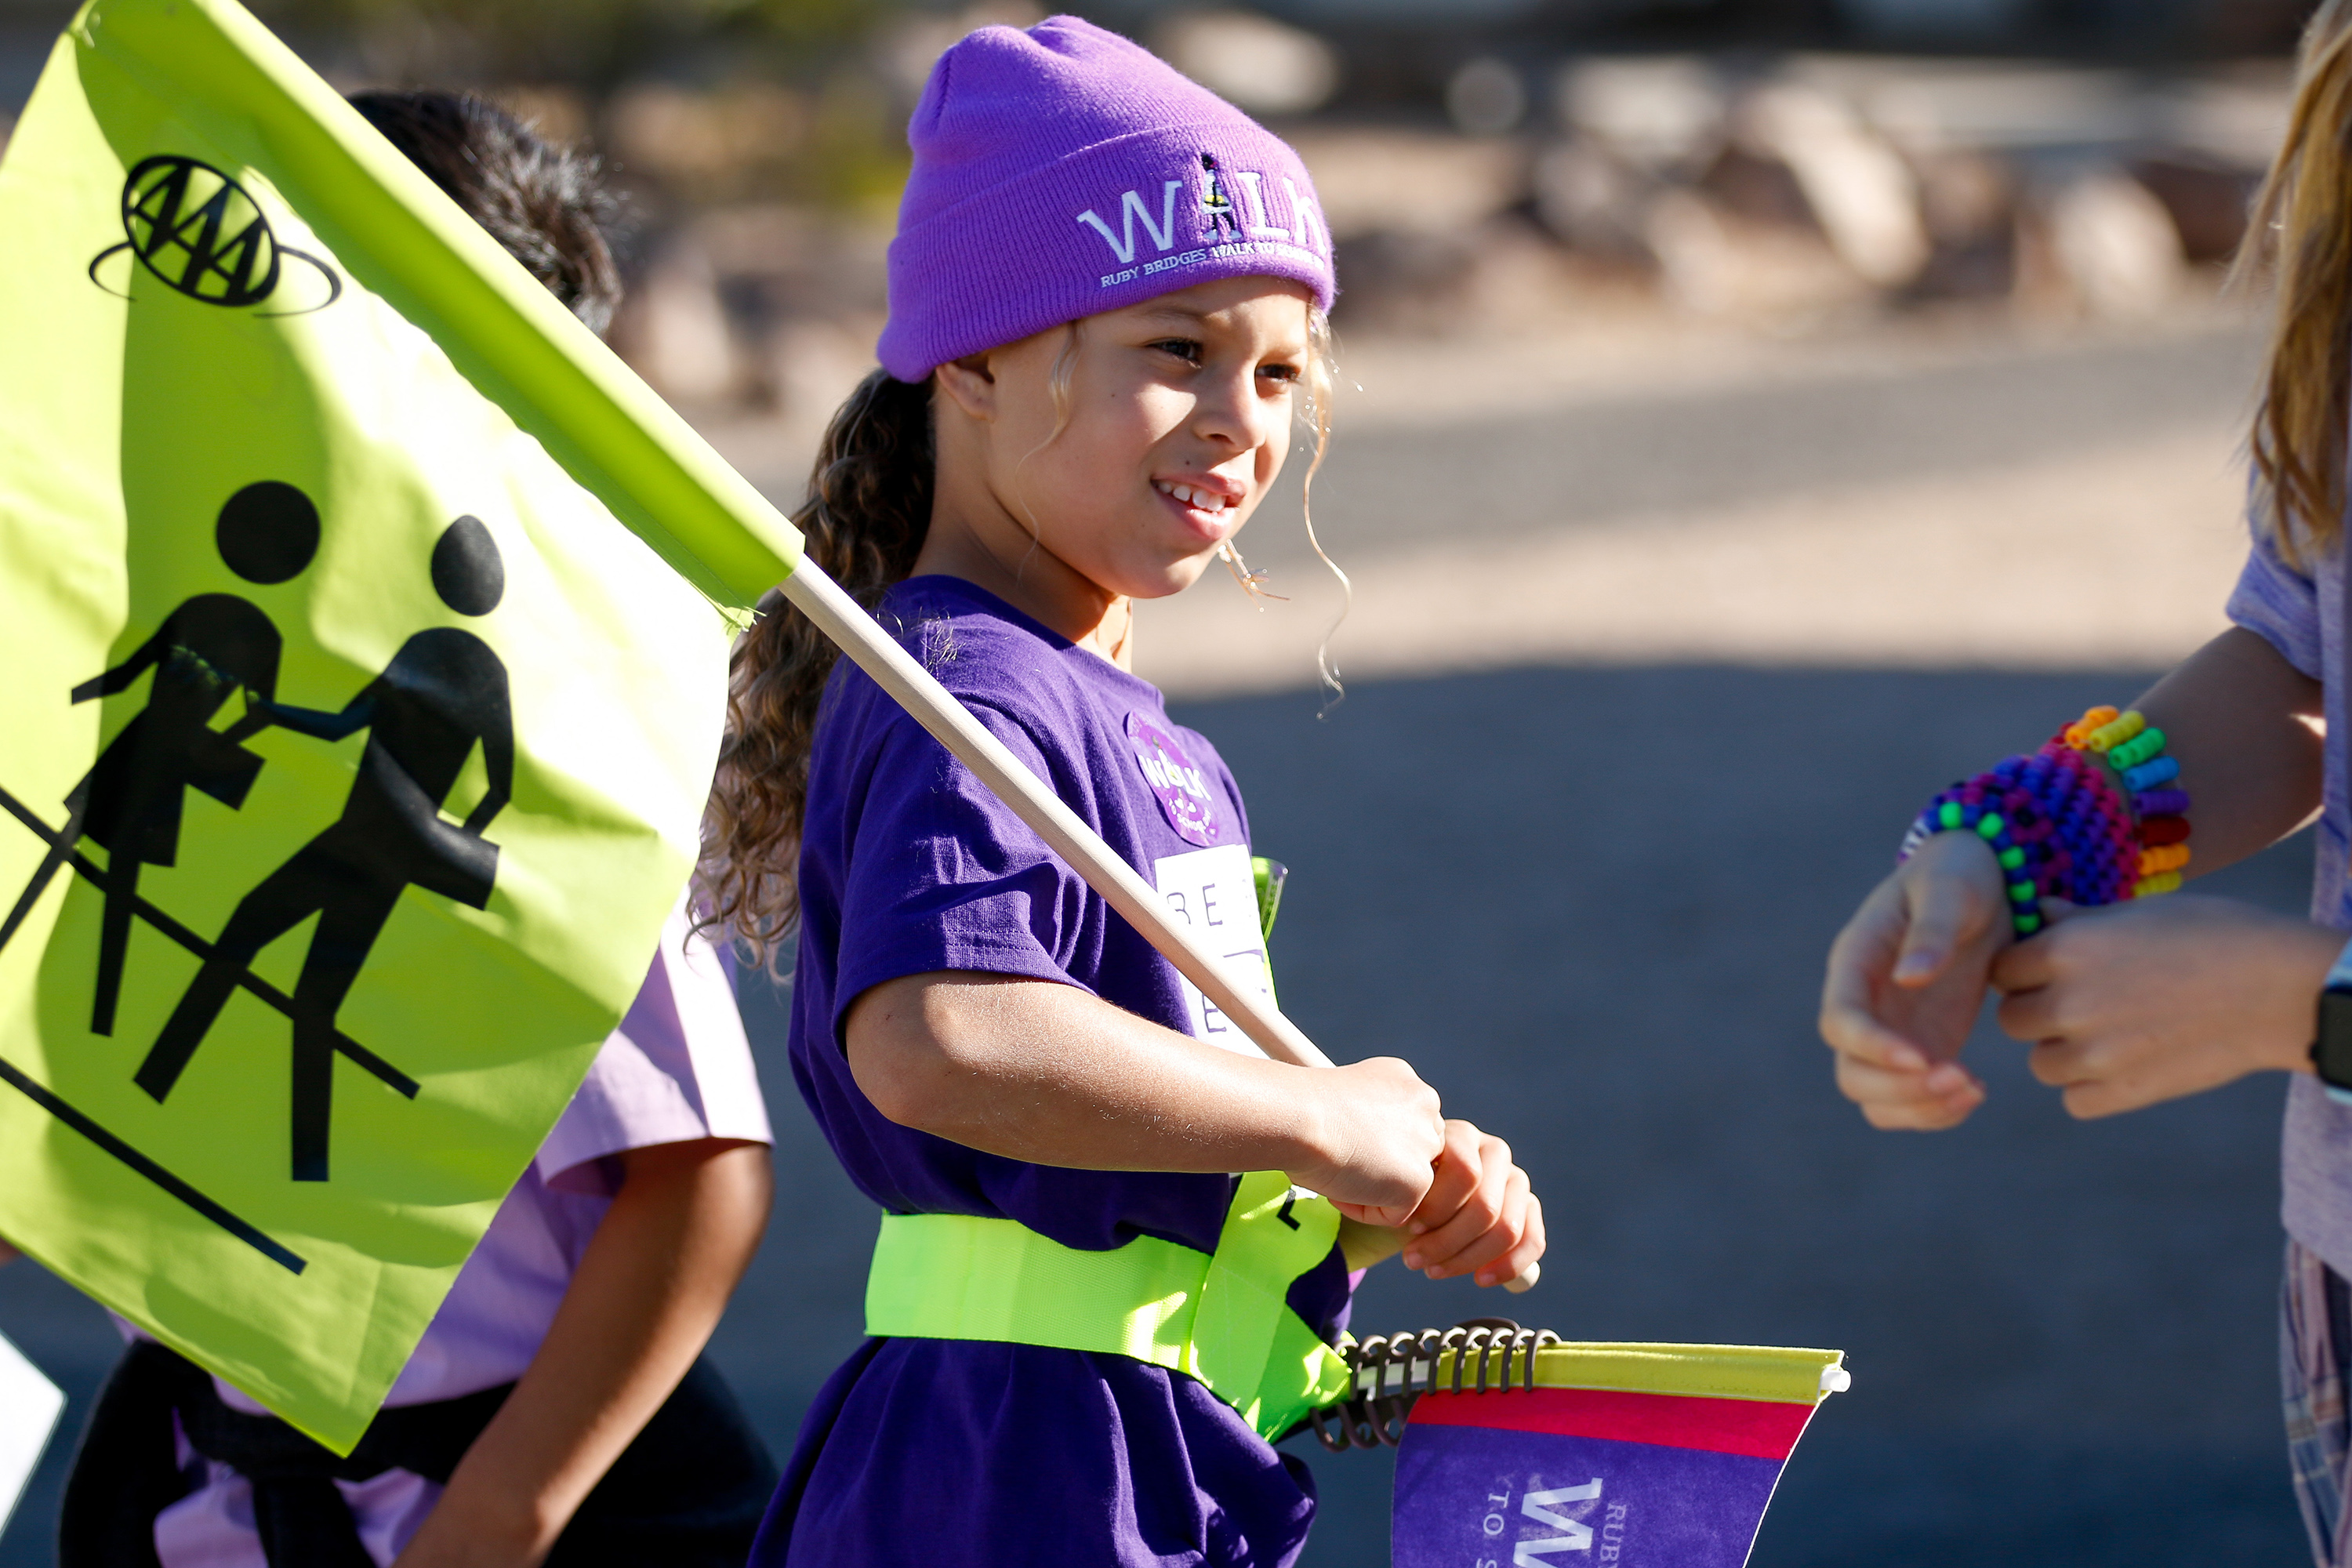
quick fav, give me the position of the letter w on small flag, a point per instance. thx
(1680, 1445)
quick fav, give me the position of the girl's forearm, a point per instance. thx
(1051, 1074)
(2244, 724)
(1043, 1072)
(649, 1290)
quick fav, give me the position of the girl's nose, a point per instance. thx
(1232, 411)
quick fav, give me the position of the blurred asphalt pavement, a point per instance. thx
(1591, 901)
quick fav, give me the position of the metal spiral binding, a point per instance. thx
(1374, 1417)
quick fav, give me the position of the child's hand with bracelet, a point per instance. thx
(2093, 816)
(1907, 977)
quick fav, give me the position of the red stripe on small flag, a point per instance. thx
(1760, 1429)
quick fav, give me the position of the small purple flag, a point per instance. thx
(1620, 1457)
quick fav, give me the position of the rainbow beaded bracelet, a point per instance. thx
(2087, 818)
(2136, 751)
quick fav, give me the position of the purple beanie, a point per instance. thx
(1062, 172)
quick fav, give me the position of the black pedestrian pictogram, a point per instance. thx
(203, 235)
(130, 801)
(445, 691)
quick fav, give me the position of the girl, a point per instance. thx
(2149, 1001)
(556, 1409)
(1086, 1326)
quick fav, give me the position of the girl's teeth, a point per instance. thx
(1191, 497)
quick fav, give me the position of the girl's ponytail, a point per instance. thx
(2302, 225)
(869, 506)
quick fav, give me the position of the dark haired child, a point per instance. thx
(1106, 314)
(556, 1410)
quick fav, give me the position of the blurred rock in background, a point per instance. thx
(1254, 61)
(1490, 167)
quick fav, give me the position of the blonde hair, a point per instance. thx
(2302, 230)
(869, 509)
(1322, 376)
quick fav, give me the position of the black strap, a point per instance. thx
(303, 1522)
(427, 1439)
(125, 1470)
(301, 1519)
(688, 1492)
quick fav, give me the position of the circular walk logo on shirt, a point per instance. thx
(1182, 788)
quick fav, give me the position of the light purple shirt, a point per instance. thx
(677, 1068)
(2302, 615)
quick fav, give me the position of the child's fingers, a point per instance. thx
(1927, 943)
(1916, 1101)
(1944, 915)
(1446, 1248)
(2028, 965)
(2064, 1064)
(1456, 1178)
(2090, 1101)
(1867, 1085)
(1853, 1030)
(1944, 894)
(1524, 1254)
(1497, 1239)
(1859, 960)
(2030, 1015)
(2034, 962)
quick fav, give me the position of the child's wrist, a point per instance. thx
(1302, 1144)
(2094, 816)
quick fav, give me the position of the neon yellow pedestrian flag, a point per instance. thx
(365, 663)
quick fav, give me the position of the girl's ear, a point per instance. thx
(970, 385)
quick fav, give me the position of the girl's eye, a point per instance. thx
(1282, 372)
(1186, 349)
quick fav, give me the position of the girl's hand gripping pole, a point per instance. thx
(855, 633)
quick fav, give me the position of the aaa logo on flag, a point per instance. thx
(356, 748)
(202, 233)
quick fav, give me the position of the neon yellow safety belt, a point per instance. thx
(1219, 1316)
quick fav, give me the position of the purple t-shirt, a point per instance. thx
(2302, 615)
(937, 1451)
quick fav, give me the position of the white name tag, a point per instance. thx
(1214, 892)
(29, 1407)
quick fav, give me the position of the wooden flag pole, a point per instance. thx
(855, 633)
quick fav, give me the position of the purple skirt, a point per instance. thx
(943, 1453)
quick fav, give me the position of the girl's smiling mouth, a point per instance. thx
(1207, 503)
